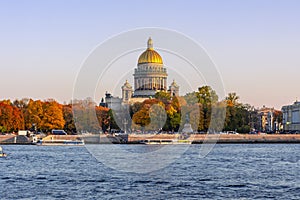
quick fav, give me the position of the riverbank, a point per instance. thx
(247, 138)
(139, 138)
(220, 138)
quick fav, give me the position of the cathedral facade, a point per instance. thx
(150, 77)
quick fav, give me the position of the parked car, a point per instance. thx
(253, 132)
(58, 132)
(232, 132)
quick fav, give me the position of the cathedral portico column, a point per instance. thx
(152, 83)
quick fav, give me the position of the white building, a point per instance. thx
(291, 117)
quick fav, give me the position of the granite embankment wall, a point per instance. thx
(136, 138)
(13, 139)
(248, 138)
(222, 138)
(88, 139)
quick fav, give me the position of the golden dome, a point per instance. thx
(150, 55)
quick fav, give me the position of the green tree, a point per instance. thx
(238, 115)
(191, 98)
(164, 97)
(196, 117)
(112, 121)
(174, 121)
(207, 97)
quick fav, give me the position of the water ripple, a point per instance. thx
(253, 171)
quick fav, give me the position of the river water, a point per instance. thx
(229, 171)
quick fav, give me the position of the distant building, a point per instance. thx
(126, 92)
(102, 103)
(174, 89)
(150, 77)
(114, 103)
(268, 119)
(291, 117)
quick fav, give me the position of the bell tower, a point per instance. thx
(126, 92)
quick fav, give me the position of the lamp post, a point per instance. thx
(125, 122)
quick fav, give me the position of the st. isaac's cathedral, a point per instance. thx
(150, 77)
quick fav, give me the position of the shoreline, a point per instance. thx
(224, 138)
(139, 138)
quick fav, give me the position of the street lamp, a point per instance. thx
(125, 122)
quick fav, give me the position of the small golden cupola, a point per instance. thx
(150, 55)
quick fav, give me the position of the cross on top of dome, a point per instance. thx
(150, 43)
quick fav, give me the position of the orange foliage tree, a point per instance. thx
(11, 118)
(33, 114)
(103, 117)
(52, 116)
(69, 119)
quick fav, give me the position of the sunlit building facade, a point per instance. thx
(291, 117)
(268, 119)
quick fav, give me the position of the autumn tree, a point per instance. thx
(102, 114)
(141, 118)
(85, 116)
(11, 118)
(232, 99)
(33, 114)
(52, 116)
(69, 125)
(278, 116)
(135, 108)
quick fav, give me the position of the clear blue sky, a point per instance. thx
(255, 44)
